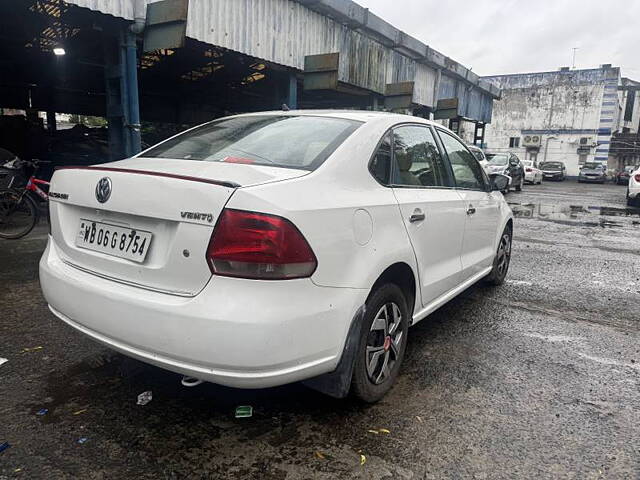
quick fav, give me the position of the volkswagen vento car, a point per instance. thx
(268, 248)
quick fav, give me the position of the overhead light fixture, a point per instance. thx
(59, 51)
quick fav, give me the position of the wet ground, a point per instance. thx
(539, 378)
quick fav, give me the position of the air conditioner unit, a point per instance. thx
(531, 141)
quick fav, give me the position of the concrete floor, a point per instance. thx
(539, 378)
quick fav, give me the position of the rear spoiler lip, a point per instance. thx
(223, 183)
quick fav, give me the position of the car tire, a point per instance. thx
(519, 186)
(502, 259)
(383, 339)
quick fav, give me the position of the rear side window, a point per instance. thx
(289, 141)
(466, 169)
(380, 165)
(417, 159)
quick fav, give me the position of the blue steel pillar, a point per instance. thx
(292, 97)
(123, 112)
(132, 100)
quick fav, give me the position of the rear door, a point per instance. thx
(432, 211)
(481, 206)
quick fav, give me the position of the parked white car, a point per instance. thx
(532, 174)
(633, 189)
(480, 156)
(269, 248)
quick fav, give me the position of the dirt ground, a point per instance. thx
(539, 378)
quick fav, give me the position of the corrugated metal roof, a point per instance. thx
(117, 8)
(285, 31)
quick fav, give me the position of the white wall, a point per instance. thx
(560, 107)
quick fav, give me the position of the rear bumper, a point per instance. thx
(239, 333)
(592, 179)
(552, 176)
(634, 190)
(530, 177)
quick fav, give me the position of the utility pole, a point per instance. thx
(575, 49)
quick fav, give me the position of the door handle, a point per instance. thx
(471, 210)
(417, 216)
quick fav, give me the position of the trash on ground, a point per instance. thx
(363, 459)
(419, 419)
(191, 382)
(319, 455)
(82, 440)
(31, 349)
(374, 431)
(145, 397)
(244, 411)
(4, 446)
(78, 412)
(16, 470)
(3, 360)
(42, 411)
(383, 430)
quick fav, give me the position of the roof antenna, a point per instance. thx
(285, 108)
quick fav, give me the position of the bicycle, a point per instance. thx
(18, 210)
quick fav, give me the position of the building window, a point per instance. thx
(514, 142)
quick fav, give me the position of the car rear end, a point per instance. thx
(633, 189)
(160, 259)
(529, 172)
(552, 171)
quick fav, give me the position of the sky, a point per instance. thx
(513, 36)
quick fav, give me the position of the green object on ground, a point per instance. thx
(244, 411)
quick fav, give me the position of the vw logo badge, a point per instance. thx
(103, 189)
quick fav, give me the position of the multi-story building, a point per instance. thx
(565, 115)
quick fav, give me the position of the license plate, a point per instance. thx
(114, 240)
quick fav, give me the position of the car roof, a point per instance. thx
(358, 115)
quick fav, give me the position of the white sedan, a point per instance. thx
(269, 248)
(532, 174)
(633, 189)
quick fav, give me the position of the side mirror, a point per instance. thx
(499, 182)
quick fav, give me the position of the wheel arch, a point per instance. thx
(507, 222)
(402, 275)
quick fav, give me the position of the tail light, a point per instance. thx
(260, 246)
(636, 177)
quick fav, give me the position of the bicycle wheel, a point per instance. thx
(18, 214)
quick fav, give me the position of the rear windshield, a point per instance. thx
(551, 165)
(302, 142)
(591, 166)
(498, 159)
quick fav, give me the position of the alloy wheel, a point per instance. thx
(504, 254)
(384, 343)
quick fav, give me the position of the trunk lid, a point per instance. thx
(173, 203)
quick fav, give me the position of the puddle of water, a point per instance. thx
(591, 216)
